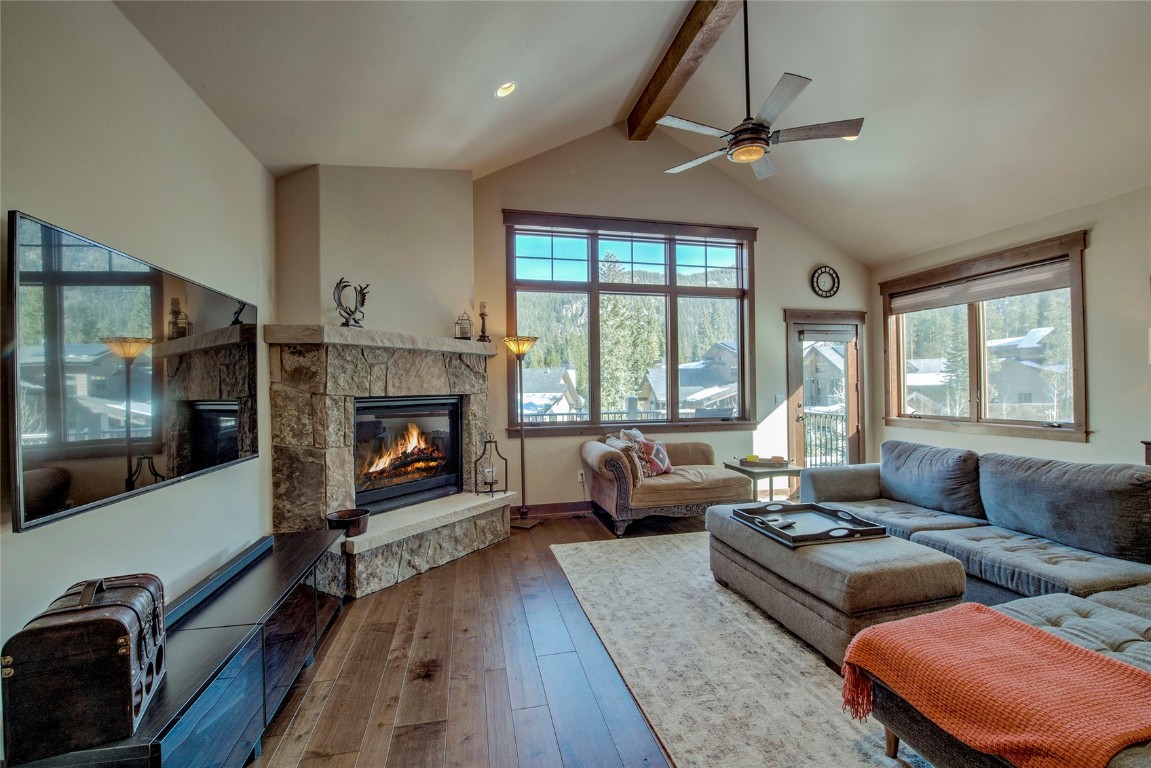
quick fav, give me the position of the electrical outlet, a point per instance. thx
(579, 477)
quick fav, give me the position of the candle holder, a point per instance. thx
(487, 470)
(484, 322)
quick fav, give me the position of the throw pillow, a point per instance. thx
(656, 458)
(632, 436)
(632, 456)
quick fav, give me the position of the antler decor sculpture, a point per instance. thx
(352, 315)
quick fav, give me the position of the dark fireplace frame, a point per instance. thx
(416, 491)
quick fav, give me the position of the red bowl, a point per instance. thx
(353, 521)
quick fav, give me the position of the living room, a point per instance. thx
(103, 136)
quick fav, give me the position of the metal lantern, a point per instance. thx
(488, 469)
(464, 327)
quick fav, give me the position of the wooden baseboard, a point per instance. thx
(558, 509)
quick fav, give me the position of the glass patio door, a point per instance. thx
(824, 414)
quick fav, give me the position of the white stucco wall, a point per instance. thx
(101, 137)
(404, 232)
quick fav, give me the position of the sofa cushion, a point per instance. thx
(1136, 600)
(1114, 633)
(1104, 508)
(1030, 565)
(692, 484)
(902, 519)
(946, 479)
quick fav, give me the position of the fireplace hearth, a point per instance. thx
(407, 450)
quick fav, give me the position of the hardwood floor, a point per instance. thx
(486, 661)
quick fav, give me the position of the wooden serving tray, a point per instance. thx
(764, 464)
(812, 524)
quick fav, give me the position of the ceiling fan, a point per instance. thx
(751, 140)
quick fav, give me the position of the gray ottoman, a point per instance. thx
(826, 593)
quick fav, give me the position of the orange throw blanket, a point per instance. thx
(1004, 687)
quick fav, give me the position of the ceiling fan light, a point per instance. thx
(748, 153)
(506, 89)
(851, 138)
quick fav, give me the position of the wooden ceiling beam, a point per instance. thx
(705, 22)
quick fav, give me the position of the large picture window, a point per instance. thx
(994, 344)
(617, 304)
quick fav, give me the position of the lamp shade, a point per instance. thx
(519, 345)
(126, 346)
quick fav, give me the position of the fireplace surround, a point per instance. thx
(317, 374)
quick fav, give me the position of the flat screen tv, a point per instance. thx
(119, 377)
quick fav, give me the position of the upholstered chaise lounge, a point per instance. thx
(693, 484)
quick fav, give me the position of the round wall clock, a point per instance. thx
(825, 282)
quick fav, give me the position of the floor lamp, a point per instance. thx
(127, 348)
(519, 346)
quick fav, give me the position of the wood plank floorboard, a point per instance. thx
(583, 737)
(536, 738)
(486, 661)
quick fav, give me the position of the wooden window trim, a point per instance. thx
(593, 227)
(1069, 246)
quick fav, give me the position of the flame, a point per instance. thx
(410, 441)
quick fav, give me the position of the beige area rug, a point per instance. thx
(721, 683)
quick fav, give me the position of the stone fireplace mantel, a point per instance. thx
(363, 337)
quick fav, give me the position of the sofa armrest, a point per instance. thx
(684, 454)
(855, 482)
(605, 461)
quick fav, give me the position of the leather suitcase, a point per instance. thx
(83, 672)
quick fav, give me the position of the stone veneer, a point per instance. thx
(401, 543)
(318, 371)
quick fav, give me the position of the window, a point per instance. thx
(994, 344)
(72, 394)
(617, 304)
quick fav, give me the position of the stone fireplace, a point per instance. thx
(317, 374)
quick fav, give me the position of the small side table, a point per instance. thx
(765, 473)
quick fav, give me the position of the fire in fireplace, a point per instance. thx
(407, 450)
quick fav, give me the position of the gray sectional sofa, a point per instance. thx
(1067, 544)
(1021, 526)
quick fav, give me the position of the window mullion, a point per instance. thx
(975, 372)
(593, 393)
(672, 364)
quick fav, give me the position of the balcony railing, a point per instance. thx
(824, 439)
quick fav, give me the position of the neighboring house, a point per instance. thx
(551, 390)
(709, 384)
(1021, 382)
(823, 376)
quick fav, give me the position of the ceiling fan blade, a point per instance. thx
(698, 161)
(784, 92)
(837, 130)
(671, 121)
(763, 167)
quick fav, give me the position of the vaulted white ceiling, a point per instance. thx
(979, 115)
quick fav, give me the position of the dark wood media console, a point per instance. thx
(236, 641)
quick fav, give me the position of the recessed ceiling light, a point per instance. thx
(850, 138)
(506, 89)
